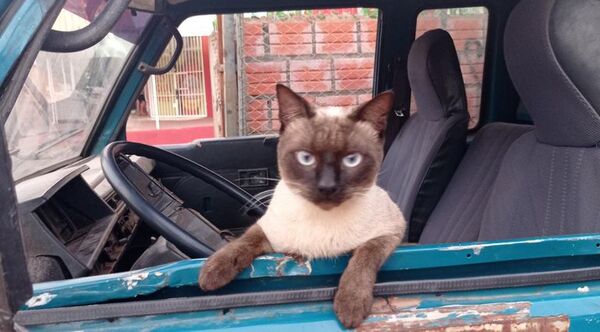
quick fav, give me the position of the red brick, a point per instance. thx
(261, 127)
(318, 86)
(275, 103)
(343, 100)
(419, 33)
(257, 105)
(314, 75)
(474, 100)
(253, 40)
(254, 50)
(427, 13)
(290, 38)
(340, 37)
(467, 34)
(330, 26)
(275, 125)
(258, 127)
(428, 23)
(368, 36)
(260, 89)
(353, 74)
(368, 25)
(291, 49)
(257, 115)
(265, 67)
(290, 27)
(471, 78)
(309, 98)
(253, 28)
(353, 63)
(313, 64)
(354, 84)
(368, 47)
(337, 48)
(463, 23)
(365, 97)
(473, 90)
(469, 58)
(472, 68)
(266, 77)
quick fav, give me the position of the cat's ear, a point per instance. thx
(291, 106)
(376, 110)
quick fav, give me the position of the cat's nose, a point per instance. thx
(327, 184)
(327, 189)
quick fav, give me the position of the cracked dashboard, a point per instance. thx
(72, 222)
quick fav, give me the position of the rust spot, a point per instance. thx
(485, 317)
(399, 303)
(389, 305)
(381, 306)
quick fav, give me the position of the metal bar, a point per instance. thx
(230, 75)
(398, 288)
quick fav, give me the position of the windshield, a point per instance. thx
(65, 92)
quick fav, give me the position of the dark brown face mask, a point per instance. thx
(329, 158)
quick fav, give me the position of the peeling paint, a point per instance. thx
(252, 270)
(477, 248)
(40, 300)
(584, 289)
(486, 317)
(289, 265)
(132, 280)
(267, 258)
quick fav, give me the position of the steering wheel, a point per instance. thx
(112, 159)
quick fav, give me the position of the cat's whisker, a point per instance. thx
(260, 199)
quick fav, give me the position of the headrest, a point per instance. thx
(552, 50)
(435, 77)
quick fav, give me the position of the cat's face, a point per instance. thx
(329, 155)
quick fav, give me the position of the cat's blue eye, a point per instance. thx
(305, 158)
(352, 160)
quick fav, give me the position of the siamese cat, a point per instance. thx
(327, 202)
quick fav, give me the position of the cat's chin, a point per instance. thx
(327, 206)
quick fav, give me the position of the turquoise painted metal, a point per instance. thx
(578, 301)
(18, 32)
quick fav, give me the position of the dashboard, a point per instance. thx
(73, 223)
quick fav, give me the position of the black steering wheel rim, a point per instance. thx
(183, 240)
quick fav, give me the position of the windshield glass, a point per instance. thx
(65, 92)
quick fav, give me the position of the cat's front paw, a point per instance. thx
(217, 272)
(352, 306)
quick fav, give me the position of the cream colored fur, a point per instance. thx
(293, 225)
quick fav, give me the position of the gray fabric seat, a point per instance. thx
(429, 146)
(458, 215)
(550, 178)
(545, 179)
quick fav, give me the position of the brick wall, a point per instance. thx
(329, 60)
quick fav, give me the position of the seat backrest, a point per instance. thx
(549, 179)
(458, 215)
(521, 181)
(429, 146)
